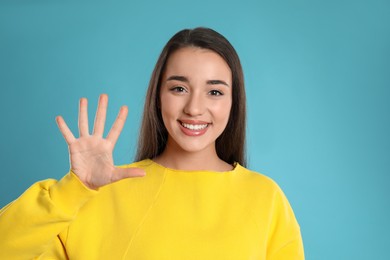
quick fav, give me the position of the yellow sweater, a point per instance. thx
(168, 214)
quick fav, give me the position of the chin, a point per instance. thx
(194, 147)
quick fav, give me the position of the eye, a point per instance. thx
(178, 89)
(215, 92)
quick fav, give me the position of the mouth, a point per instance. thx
(194, 128)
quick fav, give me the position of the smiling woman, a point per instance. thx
(194, 198)
(195, 106)
(154, 134)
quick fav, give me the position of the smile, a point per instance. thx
(194, 127)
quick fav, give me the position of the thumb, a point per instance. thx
(123, 173)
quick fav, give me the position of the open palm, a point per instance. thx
(91, 154)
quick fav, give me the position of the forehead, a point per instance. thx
(196, 61)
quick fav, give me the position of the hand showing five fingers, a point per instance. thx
(91, 154)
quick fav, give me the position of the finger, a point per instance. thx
(68, 135)
(118, 125)
(123, 173)
(83, 117)
(100, 118)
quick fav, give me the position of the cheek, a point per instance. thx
(222, 111)
(167, 106)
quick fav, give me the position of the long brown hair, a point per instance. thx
(231, 144)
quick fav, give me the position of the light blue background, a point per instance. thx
(317, 76)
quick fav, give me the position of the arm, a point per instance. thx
(30, 226)
(286, 240)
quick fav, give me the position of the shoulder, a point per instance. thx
(256, 180)
(268, 195)
(144, 164)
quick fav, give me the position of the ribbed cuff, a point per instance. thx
(70, 194)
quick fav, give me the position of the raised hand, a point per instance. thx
(91, 154)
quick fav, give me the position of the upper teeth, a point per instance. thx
(194, 127)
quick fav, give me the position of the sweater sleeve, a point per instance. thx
(285, 240)
(30, 225)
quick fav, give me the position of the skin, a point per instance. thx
(91, 154)
(195, 89)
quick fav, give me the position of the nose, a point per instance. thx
(195, 105)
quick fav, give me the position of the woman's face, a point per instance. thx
(196, 98)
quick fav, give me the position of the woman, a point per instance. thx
(193, 198)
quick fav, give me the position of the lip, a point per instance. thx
(190, 132)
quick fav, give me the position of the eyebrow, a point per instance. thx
(178, 78)
(217, 82)
(209, 82)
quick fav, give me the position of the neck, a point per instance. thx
(192, 161)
